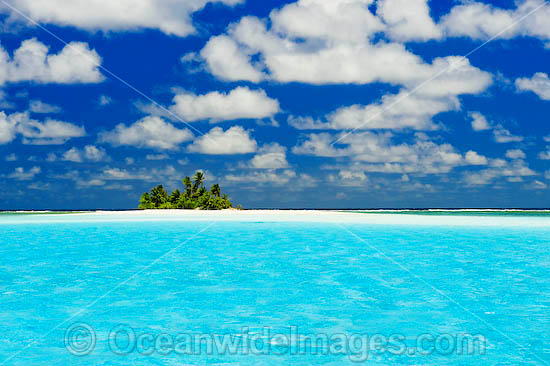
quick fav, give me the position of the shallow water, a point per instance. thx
(168, 283)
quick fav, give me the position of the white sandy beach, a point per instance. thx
(312, 216)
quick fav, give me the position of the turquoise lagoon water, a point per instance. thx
(76, 291)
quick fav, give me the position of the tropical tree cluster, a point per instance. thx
(195, 196)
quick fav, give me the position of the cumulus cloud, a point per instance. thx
(545, 155)
(236, 140)
(33, 132)
(167, 173)
(22, 174)
(411, 108)
(473, 158)
(88, 153)
(483, 21)
(290, 52)
(336, 45)
(37, 106)
(150, 132)
(538, 84)
(336, 20)
(239, 103)
(271, 156)
(269, 177)
(512, 171)
(157, 157)
(398, 111)
(377, 152)
(536, 184)
(501, 135)
(168, 16)
(104, 100)
(349, 178)
(76, 63)
(11, 157)
(408, 20)
(227, 61)
(479, 122)
(515, 154)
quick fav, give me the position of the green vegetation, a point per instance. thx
(195, 196)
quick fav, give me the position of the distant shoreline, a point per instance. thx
(426, 218)
(349, 210)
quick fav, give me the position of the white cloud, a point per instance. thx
(88, 153)
(545, 155)
(22, 174)
(11, 157)
(226, 60)
(73, 155)
(90, 183)
(515, 154)
(408, 20)
(184, 161)
(483, 21)
(270, 177)
(76, 63)
(236, 140)
(129, 161)
(474, 158)
(143, 174)
(157, 157)
(538, 84)
(49, 132)
(400, 111)
(326, 57)
(383, 155)
(323, 57)
(93, 153)
(169, 16)
(514, 169)
(151, 132)
(536, 184)
(104, 100)
(240, 103)
(349, 178)
(547, 174)
(409, 109)
(503, 136)
(479, 122)
(500, 134)
(118, 187)
(121, 174)
(37, 106)
(4, 103)
(272, 156)
(335, 20)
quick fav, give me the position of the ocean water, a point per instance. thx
(77, 291)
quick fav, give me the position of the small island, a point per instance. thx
(195, 197)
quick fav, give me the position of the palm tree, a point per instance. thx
(158, 196)
(188, 186)
(175, 197)
(215, 190)
(198, 180)
(145, 201)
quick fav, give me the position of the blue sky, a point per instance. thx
(314, 103)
